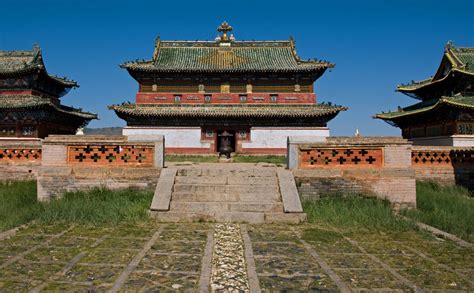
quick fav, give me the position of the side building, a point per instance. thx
(197, 92)
(30, 98)
(445, 113)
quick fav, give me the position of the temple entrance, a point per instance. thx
(230, 135)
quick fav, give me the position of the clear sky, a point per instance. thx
(374, 44)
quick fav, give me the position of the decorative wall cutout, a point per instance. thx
(20, 154)
(340, 157)
(130, 155)
(447, 158)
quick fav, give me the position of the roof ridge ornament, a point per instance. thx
(224, 28)
(449, 44)
(37, 54)
(157, 47)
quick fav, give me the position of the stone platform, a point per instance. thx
(245, 193)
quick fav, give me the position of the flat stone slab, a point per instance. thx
(163, 191)
(229, 216)
(289, 192)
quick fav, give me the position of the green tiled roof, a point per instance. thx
(239, 56)
(15, 63)
(33, 102)
(464, 56)
(228, 111)
(461, 61)
(425, 106)
(20, 61)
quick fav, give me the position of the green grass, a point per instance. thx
(98, 206)
(191, 158)
(354, 212)
(449, 208)
(17, 203)
(18, 206)
(273, 159)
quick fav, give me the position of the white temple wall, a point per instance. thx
(463, 140)
(175, 137)
(188, 139)
(454, 140)
(276, 137)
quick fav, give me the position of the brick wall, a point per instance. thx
(19, 159)
(72, 163)
(445, 165)
(377, 166)
(221, 98)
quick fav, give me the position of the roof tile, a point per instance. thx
(228, 111)
(32, 101)
(240, 56)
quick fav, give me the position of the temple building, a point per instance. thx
(30, 103)
(255, 93)
(444, 114)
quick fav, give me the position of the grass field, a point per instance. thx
(18, 206)
(449, 208)
(355, 212)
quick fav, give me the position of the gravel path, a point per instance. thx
(229, 271)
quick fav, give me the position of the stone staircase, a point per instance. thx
(227, 193)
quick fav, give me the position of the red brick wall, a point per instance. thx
(445, 165)
(341, 158)
(387, 175)
(231, 98)
(19, 159)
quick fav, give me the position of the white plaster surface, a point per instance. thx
(463, 141)
(174, 137)
(277, 137)
(454, 140)
(261, 137)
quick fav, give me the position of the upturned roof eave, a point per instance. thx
(65, 82)
(442, 101)
(40, 102)
(457, 65)
(40, 69)
(75, 112)
(412, 89)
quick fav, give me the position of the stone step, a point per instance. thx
(201, 180)
(231, 189)
(236, 217)
(198, 207)
(227, 197)
(219, 172)
(231, 180)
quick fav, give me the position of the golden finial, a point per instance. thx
(224, 28)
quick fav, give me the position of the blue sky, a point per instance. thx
(374, 44)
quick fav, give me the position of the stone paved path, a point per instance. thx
(202, 257)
